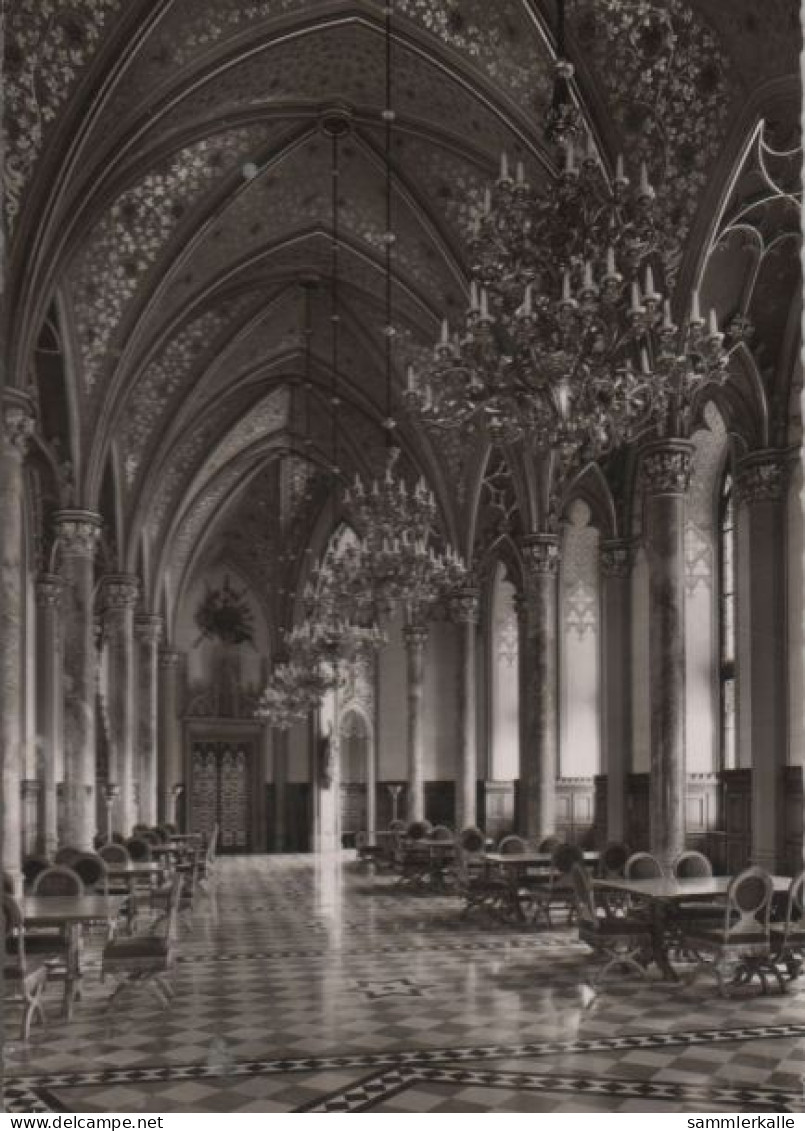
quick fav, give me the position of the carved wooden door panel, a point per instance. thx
(220, 791)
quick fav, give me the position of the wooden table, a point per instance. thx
(423, 862)
(71, 912)
(664, 892)
(516, 866)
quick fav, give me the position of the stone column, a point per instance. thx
(666, 467)
(49, 739)
(761, 487)
(539, 687)
(148, 631)
(616, 560)
(416, 637)
(78, 533)
(120, 593)
(16, 426)
(170, 741)
(464, 609)
(279, 739)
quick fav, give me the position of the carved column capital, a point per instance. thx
(666, 467)
(616, 558)
(169, 659)
(120, 591)
(541, 555)
(49, 588)
(148, 628)
(415, 635)
(465, 605)
(762, 477)
(17, 421)
(78, 532)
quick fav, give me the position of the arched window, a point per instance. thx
(726, 623)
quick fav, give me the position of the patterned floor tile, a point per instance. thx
(312, 986)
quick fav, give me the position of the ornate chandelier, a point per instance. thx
(293, 691)
(397, 561)
(567, 342)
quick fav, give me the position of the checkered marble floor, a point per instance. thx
(310, 984)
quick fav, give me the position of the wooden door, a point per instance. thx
(220, 791)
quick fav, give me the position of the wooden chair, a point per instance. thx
(622, 940)
(31, 867)
(145, 961)
(512, 845)
(788, 937)
(441, 833)
(67, 855)
(52, 943)
(692, 865)
(479, 890)
(138, 849)
(743, 938)
(642, 866)
(557, 889)
(549, 844)
(24, 978)
(612, 864)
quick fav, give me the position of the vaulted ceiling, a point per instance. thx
(167, 186)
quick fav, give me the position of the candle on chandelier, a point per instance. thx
(484, 303)
(504, 166)
(445, 332)
(473, 295)
(635, 296)
(527, 305)
(695, 312)
(487, 200)
(569, 165)
(520, 173)
(566, 293)
(610, 260)
(667, 322)
(645, 186)
(649, 279)
(410, 378)
(713, 322)
(619, 169)
(645, 365)
(588, 274)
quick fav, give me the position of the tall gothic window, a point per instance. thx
(726, 622)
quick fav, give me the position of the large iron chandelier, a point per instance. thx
(397, 561)
(567, 342)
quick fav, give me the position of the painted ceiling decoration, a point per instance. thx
(167, 185)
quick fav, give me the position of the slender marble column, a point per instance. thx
(16, 426)
(148, 631)
(616, 562)
(666, 467)
(539, 702)
(416, 637)
(49, 692)
(762, 481)
(78, 533)
(170, 741)
(280, 740)
(120, 593)
(464, 609)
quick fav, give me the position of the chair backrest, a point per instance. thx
(550, 843)
(471, 840)
(441, 832)
(565, 857)
(92, 870)
(170, 828)
(58, 880)
(139, 849)
(642, 866)
(692, 865)
(32, 866)
(583, 891)
(149, 836)
(67, 855)
(748, 905)
(115, 855)
(418, 830)
(613, 859)
(397, 826)
(795, 909)
(513, 845)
